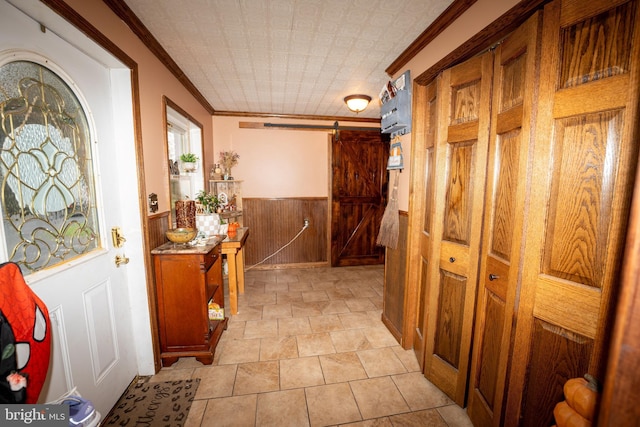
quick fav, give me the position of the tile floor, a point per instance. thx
(308, 348)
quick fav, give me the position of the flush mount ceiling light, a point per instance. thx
(357, 103)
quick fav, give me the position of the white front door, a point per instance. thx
(95, 307)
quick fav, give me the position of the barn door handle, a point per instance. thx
(493, 277)
(452, 259)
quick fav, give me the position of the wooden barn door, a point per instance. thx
(584, 167)
(358, 199)
(461, 154)
(508, 181)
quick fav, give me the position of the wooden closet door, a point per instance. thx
(422, 192)
(584, 163)
(508, 181)
(461, 155)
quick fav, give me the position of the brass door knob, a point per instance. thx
(121, 259)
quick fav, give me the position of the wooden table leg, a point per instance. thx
(233, 282)
(240, 270)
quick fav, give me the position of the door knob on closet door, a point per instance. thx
(493, 277)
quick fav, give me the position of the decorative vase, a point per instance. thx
(208, 224)
(185, 214)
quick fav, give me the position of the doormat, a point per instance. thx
(162, 404)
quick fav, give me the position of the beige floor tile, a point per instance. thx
(293, 326)
(196, 412)
(215, 381)
(315, 344)
(429, 418)
(380, 362)
(237, 411)
(172, 374)
(306, 309)
(186, 363)
(236, 332)
(288, 297)
(339, 294)
(312, 296)
(376, 422)
(331, 405)
(336, 307)
(279, 348)
(301, 372)
(326, 285)
(239, 351)
(276, 311)
(363, 291)
(358, 320)
(287, 276)
(341, 367)
(300, 287)
(455, 416)
(245, 312)
(359, 304)
(378, 397)
(257, 377)
(261, 329)
(350, 340)
(419, 392)
(408, 358)
(282, 409)
(276, 287)
(379, 336)
(325, 323)
(260, 298)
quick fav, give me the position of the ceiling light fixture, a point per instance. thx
(357, 103)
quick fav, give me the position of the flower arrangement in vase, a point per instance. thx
(228, 159)
(208, 201)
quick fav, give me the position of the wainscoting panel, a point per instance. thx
(158, 225)
(274, 222)
(394, 282)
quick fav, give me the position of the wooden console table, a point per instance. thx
(233, 248)
(186, 279)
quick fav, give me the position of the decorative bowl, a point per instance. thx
(181, 235)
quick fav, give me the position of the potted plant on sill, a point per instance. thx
(189, 162)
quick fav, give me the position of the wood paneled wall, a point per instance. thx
(158, 225)
(274, 222)
(394, 281)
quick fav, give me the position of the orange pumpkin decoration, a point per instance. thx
(232, 231)
(566, 416)
(582, 394)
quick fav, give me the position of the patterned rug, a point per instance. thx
(162, 404)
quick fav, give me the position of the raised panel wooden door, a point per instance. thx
(359, 175)
(508, 179)
(584, 166)
(423, 158)
(464, 96)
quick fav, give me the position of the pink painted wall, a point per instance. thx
(155, 80)
(277, 162)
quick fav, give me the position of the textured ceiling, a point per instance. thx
(287, 56)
